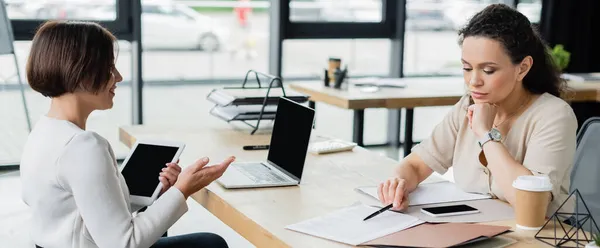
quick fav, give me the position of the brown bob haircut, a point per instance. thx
(69, 56)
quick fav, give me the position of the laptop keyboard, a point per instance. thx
(260, 173)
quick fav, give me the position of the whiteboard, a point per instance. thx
(6, 39)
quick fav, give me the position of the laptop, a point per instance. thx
(287, 151)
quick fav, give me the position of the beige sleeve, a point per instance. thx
(437, 150)
(551, 147)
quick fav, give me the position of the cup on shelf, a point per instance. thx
(333, 65)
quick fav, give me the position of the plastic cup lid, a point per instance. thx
(533, 183)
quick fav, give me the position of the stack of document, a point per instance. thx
(431, 193)
(347, 226)
(380, 82)
(447, 193)
(252, 96)
(393, 229)
(244, 112)
(249, 104)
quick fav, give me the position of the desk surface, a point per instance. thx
(420, 92)
(260, 215)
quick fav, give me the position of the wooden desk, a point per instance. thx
(260, 215)
(420, 92)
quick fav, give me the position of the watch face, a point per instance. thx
(496, 135)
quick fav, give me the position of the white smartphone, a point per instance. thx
(450, 210)
(143, 165)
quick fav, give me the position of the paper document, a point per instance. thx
(430, 193)
(347, 226)
(379, 82)
(244, 112)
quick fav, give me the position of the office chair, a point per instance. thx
(586, 170)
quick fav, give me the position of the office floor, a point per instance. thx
(182, 105)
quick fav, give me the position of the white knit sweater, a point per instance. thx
(78, 197)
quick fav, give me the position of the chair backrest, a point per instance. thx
(585, 175)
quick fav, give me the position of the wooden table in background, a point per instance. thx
(260, 215)
(420, 92)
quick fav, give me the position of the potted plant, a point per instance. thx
(561, 56)
(595, 242)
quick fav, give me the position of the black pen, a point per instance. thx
(257, 147)
(379, 211)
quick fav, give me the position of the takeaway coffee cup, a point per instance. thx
(532, 199)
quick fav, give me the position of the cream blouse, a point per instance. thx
(542, 138)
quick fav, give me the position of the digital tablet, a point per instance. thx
(143, 165)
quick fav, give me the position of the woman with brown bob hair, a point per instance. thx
(70, 176)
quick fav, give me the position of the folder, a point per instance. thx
(244, 112)
(439, 235)
(251, 96)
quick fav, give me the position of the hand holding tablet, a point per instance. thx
(142, 167)
(169, 176)
(152, 168)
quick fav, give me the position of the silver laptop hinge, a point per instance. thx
(284, 171)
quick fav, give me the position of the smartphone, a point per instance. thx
(450, 210)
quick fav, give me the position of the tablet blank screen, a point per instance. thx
(142, 170)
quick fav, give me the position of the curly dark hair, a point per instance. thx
(514, 31)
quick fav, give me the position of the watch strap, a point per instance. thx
(486, 138)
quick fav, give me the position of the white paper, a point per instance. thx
(431, 193)
(231, 112)
(347, 226)
(380, 82)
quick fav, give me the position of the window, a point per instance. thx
(13, 125)
(435, 24)
(75, 10)
(199, 43)
(308, 58)
(27, 15)
(363, 57)
(150, 9)
(531, 8)
(336, 11)
(215, 44)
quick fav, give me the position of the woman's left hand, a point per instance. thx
(169, 175)
(481, 118)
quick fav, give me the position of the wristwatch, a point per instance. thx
(493, 135)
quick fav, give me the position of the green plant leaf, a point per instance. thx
(560, 56)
